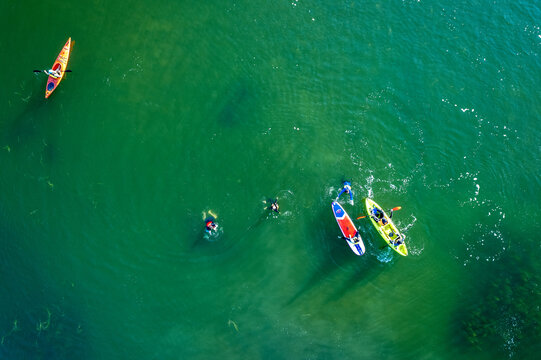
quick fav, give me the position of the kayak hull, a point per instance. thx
(389, 232)
(348, 229)
(61, 63)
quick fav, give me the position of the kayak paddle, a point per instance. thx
(393, 209)
(42, 71)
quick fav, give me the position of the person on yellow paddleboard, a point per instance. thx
(54, 73)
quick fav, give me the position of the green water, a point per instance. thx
(175, 108)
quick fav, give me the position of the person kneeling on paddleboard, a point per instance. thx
(54, 73)
(352, 240)
(211, 226)
(346, 188)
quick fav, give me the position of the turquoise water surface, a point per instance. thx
(177, 108)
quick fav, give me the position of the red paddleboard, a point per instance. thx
(348, 229)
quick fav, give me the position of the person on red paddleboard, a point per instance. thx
(346, 188)
(352, 240)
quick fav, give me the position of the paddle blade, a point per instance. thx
(360, 217)
(397, 208)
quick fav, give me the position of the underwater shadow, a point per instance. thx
(334, 252)
(238, 105)
(30, 128)
(36, 322)
(368, 270)
(499, 314)
(24, 125)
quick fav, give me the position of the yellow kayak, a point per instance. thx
(61, 63)
(385, 227)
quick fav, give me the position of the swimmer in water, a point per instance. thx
(211, 226)
(346, 188)
(274, 206)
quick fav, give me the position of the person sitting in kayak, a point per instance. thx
(346, 188)
(211, 226)
(377, 214)
(54, 73)
(275, 207)
(397, 241)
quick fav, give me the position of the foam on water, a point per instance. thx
(485, 241)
